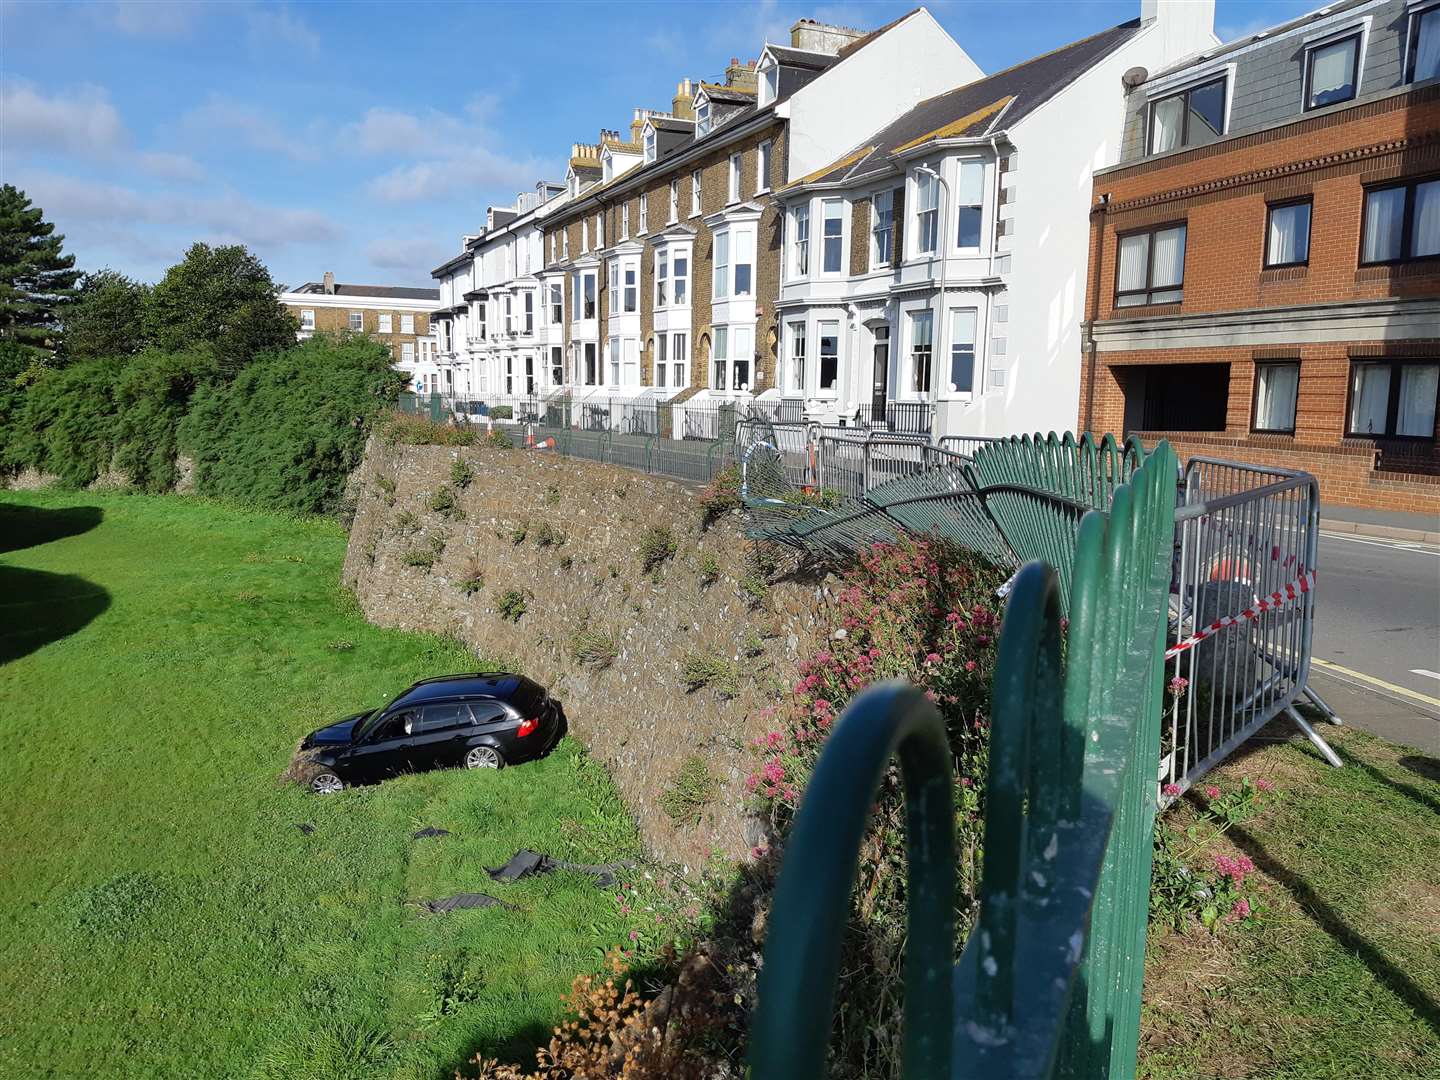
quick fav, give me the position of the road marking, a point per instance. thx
(1425, 671)
(1326, 665)
(1393, 545)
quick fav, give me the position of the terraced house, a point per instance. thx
(397, 316)
(1265, 258)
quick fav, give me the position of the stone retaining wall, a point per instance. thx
(635, 714)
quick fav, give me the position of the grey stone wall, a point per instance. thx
(635, 716)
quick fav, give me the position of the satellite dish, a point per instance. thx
(1134, 77)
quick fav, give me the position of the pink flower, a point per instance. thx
(1178, 685)
(1171, 790)
(774, 771)
(1241, 910)
(759, 851)
(1211, 791)
(1264, 785)
(634, 935)
(752, 781)
(932, 658)
(969, 665)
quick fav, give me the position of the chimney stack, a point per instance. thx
(329, 283)
(822, 37)
(741, 76)
(683, 105)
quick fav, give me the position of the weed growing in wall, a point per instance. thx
(420, 558)
(510, 605)
(691, 790)
(547, 535)
(708, 569)
(594, 648)
(472, 580)
(461, 473)
(656, 547)
(699, 670)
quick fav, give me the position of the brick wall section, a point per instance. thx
(1221, 192)
(860, 236)
(334, 320)
(714, 195)
(635, 716)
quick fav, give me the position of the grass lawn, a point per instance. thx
(1342, 977)
(161, 914)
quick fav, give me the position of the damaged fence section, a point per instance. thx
(1242, 594)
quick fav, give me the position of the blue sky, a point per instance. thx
(366, 138)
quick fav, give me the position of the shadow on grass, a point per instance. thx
(1330, 920)
(1428, 802)
(41, 607)
(36, 606)
(31, 526)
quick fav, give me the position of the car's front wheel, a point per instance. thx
(483, 757)
(322, 780)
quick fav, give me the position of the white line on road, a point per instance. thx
(1425, 671)
(1371, 680)
(1393, 545)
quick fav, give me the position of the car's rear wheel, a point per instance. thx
(322, 780)
(483, 757)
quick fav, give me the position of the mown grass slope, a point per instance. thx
(161, 912)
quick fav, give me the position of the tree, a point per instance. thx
(107, 318)
(36, 277)
(222, 297)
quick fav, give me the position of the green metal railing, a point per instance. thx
(1049, 981)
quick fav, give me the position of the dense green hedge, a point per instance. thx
(284, 434)
(292, 425)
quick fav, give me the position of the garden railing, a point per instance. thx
(1049, 981)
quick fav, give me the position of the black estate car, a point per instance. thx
(480, 721)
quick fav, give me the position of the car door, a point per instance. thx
(386, 751)
(440, 737)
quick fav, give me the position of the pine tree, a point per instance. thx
(36, 278)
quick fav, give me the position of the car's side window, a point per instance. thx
(487, 712)
(441, 717)
(395, 726)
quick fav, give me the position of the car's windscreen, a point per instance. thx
(365, 725)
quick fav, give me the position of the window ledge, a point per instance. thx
(1276, 274)
(1402, 271)
(1145, 310)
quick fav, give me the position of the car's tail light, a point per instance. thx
(527, 726)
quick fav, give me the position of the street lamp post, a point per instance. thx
(940, 356)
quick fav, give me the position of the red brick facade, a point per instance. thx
(1221, 192)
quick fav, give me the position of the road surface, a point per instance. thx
(1377, 629)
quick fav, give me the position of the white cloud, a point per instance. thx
(437, 178)
(79, 121)
(77, 205)
(410, 257)
(170, 166)
(219, 116)
(274, 24)
(1236, 31)
(149, 18)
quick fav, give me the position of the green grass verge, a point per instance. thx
(1342, 976)
(161, 914)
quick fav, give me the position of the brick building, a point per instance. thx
(396, 316)
(1264, 278)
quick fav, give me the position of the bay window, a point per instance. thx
(1192, 117)
(743, 353)
(529, 312)
(962, 350)
(662, 278)
(721, 288)
(592, 375)
(630, 371)
(557, 366)
(719, 357)
(927, 213)
(1401, 223)
(612, 280)
(632, 289)
(509, 315)
(587, 295)
(882, 228)
(680, 277)
(833, 225)
(1151, 267)
(793, 379)
(969, 201)
(922, 334)
(1394, 399)
(1276, 389)
(829, 355)
(800, 242)
(744, 262)
(679, 360)
(661, 360)
(612, 349)
(557, 304)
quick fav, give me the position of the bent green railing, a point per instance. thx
(1049, 981)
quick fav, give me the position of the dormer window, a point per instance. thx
(607, 167)
(649, 144)
(702, 116)
(1332, 72)
(769, 83)
(1192, 117)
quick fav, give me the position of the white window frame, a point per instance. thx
(799, 255)
(720, 354)
(529, 312)
(793, 377)
(630, 286)
(584, 235)
(649, 143)
(952, 341)
(661, 271)
(612, 294)
(736, 159)
(679, 368)
(703, 117)
(407, 352)
(960, 167)
(307, 318)
(918, 181)
(600, 230)
(762, 166)
(876, 262)
(1319, 40)
(907, 388)
(352, 318)
(833, 390)
(674, 199)
(407, 322)
(826, 205)
(644, 213)
(695, 193)
(624, 209)
(557, 303)
(720, 283)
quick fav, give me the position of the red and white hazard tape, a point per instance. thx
(1303, 584)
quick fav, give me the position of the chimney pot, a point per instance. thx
(329, 281)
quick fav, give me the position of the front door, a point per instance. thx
(881, 385)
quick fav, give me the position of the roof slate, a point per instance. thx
(392, 292)
(971, 109)
(793, 57)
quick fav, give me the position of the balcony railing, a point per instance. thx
(901, 417)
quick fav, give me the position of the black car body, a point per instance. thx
(480, 720)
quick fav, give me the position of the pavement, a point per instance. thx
(1376, 657)
(1387, 524)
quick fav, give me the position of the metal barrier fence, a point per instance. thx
(1243, 613)
(1049, 982)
